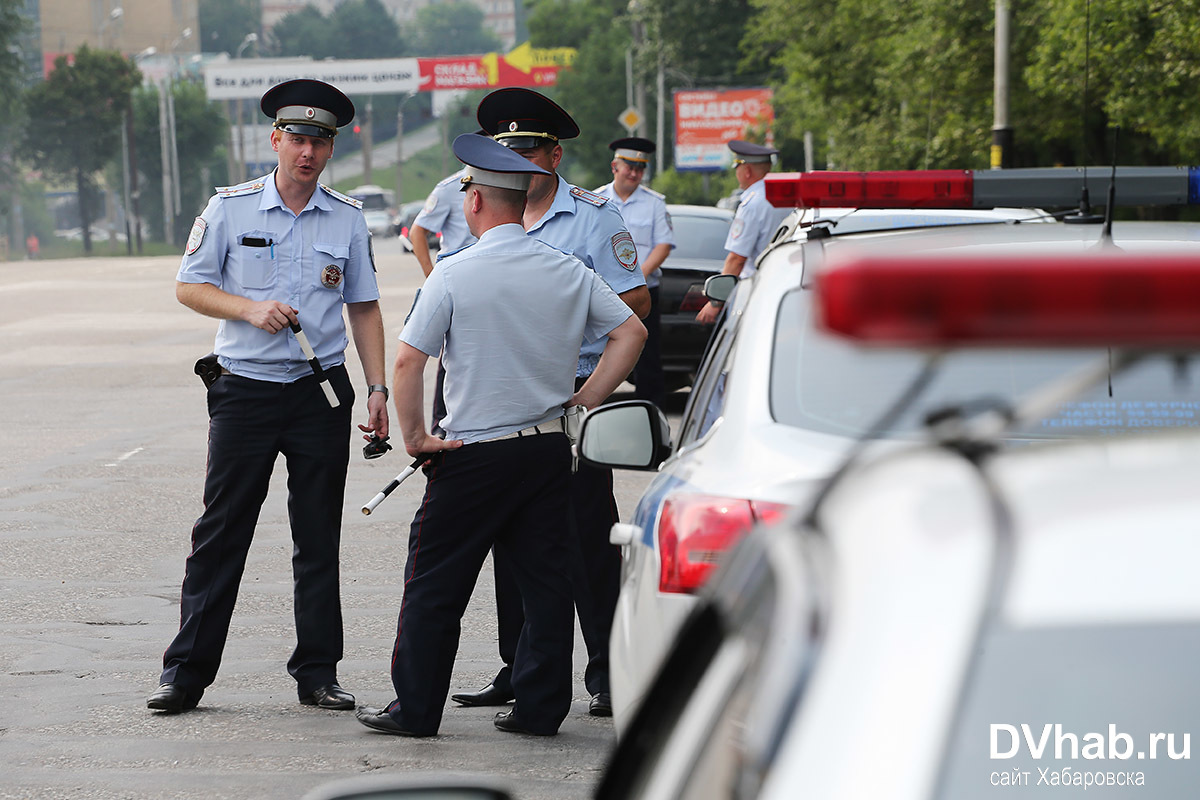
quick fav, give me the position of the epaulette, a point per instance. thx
(242, 188)
(588, 197)
(453, 178)
(350, 201)
(442, 255)
(659, 195)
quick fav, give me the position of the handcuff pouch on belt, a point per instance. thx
(208, 369)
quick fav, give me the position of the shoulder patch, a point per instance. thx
(430, 203)
(624, 250)
(588, 197)
(253, 187)
(350, 201)
(196, 237)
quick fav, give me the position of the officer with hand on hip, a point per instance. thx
(265, 256)
(646, 217)
(755, 220)
(509, 314)
(586, 225)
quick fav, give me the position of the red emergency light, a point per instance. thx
(1085, 299)
(943, 188)
(948, 188)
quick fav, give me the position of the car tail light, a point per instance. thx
(1089, 299)
(694, 300)
(404, 231)
(695, 530)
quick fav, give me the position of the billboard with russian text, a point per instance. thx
(706, 119)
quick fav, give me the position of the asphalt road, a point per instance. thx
(103, 438)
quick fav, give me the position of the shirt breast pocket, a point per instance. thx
(331, 264)
(255, 260)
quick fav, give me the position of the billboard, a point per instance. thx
(706, 119)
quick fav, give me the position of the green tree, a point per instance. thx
(355, 29)
(201, 133)
(452, 28)
(593, 89)
(225, 23)
(1142, 70)
(12, 25)
(75, 120)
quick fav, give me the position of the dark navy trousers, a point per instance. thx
(595, 571)
(250, 423)
(509, 496)
(649, 381)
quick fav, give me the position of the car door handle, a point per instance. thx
(622, 533)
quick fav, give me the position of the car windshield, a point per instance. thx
(1125, 695)
(824, 384)
(372, 202)
(699, 236)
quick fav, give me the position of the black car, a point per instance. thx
(700, 233)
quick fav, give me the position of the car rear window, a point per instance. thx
(699, 236)
(1110, 688)
(827, 385)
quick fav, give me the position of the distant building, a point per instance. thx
(30, 42)
(130, 26)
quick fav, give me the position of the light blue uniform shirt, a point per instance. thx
(588, 227)
(511, 313)
(753, 225)
(443, 212)
(315, 262)
(646, 217)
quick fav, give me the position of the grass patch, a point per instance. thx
(101, 248)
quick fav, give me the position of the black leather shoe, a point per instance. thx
(601, 705)
(508, 722)
(487, 696)
(378, 719)
(172, 698)
(332, 697)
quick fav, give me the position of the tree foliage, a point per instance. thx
(201, 134)
(76, 118)
(355, 29)
(451, 28)
(225, 23)
(593, 90)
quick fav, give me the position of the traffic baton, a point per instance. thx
(306, 348)
(396, 481)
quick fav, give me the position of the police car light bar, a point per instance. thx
(1078, 300)
(1040, 187)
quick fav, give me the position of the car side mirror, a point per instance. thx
(719, 287)
(425, 787)
(633, 434)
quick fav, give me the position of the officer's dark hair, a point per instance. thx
(512, 200)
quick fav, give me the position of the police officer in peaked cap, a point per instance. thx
(755, 220)
(499, 479)
(645, 213)
(264, 256)
(580, 222)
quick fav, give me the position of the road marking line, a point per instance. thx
(127, 455)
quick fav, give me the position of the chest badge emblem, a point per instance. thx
(331, 276)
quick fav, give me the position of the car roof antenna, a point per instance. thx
(1107, 237)
(1084, 215)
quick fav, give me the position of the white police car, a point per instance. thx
(774, 406)
(953, 616)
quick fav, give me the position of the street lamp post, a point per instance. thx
(249, 39)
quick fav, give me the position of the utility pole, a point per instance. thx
(368, 143)
(1002, 132)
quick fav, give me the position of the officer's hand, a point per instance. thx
(377, 416)
(708, 314)
(415, 444)
(271, 316)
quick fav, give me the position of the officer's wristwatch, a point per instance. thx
(378, 387)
